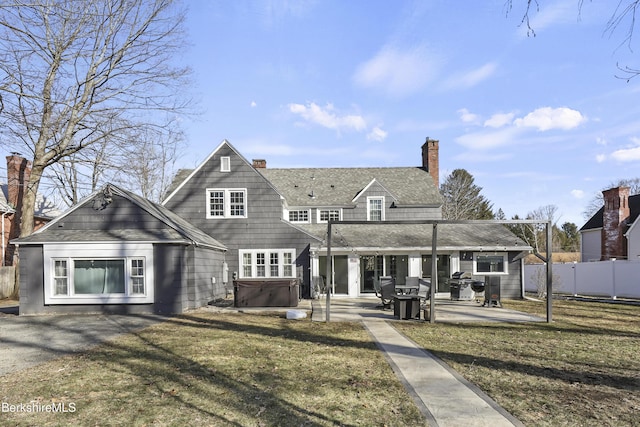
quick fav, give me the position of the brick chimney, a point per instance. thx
(616, 212)
(18, 173)
(259, 163)
(430, 161)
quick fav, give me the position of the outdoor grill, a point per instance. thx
(463, 287)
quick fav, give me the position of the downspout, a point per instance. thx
(4, 214)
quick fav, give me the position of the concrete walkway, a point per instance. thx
(444, 397)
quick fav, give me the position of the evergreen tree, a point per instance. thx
(462, 198)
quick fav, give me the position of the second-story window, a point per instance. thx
(226, 203)
(299, 216)
(375, 208)
(325, 215)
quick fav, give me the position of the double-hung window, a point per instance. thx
(258, 263)
(226, 203)
(375, 208)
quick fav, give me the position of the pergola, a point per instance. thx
(434, 241)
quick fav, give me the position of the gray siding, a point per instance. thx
(262, 229)
(391, 211)
(120, 214)
(510, 284)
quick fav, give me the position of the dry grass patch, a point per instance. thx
(582, 369)
(221, 370)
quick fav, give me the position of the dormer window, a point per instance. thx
(375, 208)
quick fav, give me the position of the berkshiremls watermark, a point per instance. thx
(34, 407)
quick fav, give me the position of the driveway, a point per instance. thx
(29, 340)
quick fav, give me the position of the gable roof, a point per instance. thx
(596, 220)
(179, 230)
(341, 186)
(184, 175)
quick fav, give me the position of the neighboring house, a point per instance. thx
(274, 222)
(613, 232)
(11, 194)
(116, 252)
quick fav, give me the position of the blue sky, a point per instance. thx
(536, 120)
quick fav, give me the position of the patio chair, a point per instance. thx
(318, 286)
(412, 282)
(424, 293)
(387, 291)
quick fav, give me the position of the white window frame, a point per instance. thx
(98, 251)
(262, 263)
(505, 263)
(329, 212)
(225, 164)
(226, 211)
(369, 210)
(304, 212)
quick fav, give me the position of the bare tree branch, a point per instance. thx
(77, 74)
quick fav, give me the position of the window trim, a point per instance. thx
(306, 211)
(226, 203)
(97, 251)
(505, 263)
(319, 212)
(225, 164)
(266, 265)
(369, 200)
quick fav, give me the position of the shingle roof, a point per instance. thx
(450, 236)
(596, 220)
(179, 229)
(4, 205)
(339, 186)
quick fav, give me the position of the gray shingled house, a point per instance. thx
(274, 222)
(116, 252)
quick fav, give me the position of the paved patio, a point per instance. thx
(356, 309)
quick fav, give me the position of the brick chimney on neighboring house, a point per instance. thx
(259, 163)
(430, 161)
(614, 223)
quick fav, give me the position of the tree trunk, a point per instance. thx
(27, 210)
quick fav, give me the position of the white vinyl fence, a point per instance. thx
(611, 279)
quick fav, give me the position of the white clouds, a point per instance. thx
(547, 118)
(331, 118)
(377, 134)
(504, 129)
(253, 104)
(327, 117)
(471, 78)
(626, 154)
(600, 158)
(398, 72)
(578, 194)
(499, 120)
(486, 140)
(467, 116)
